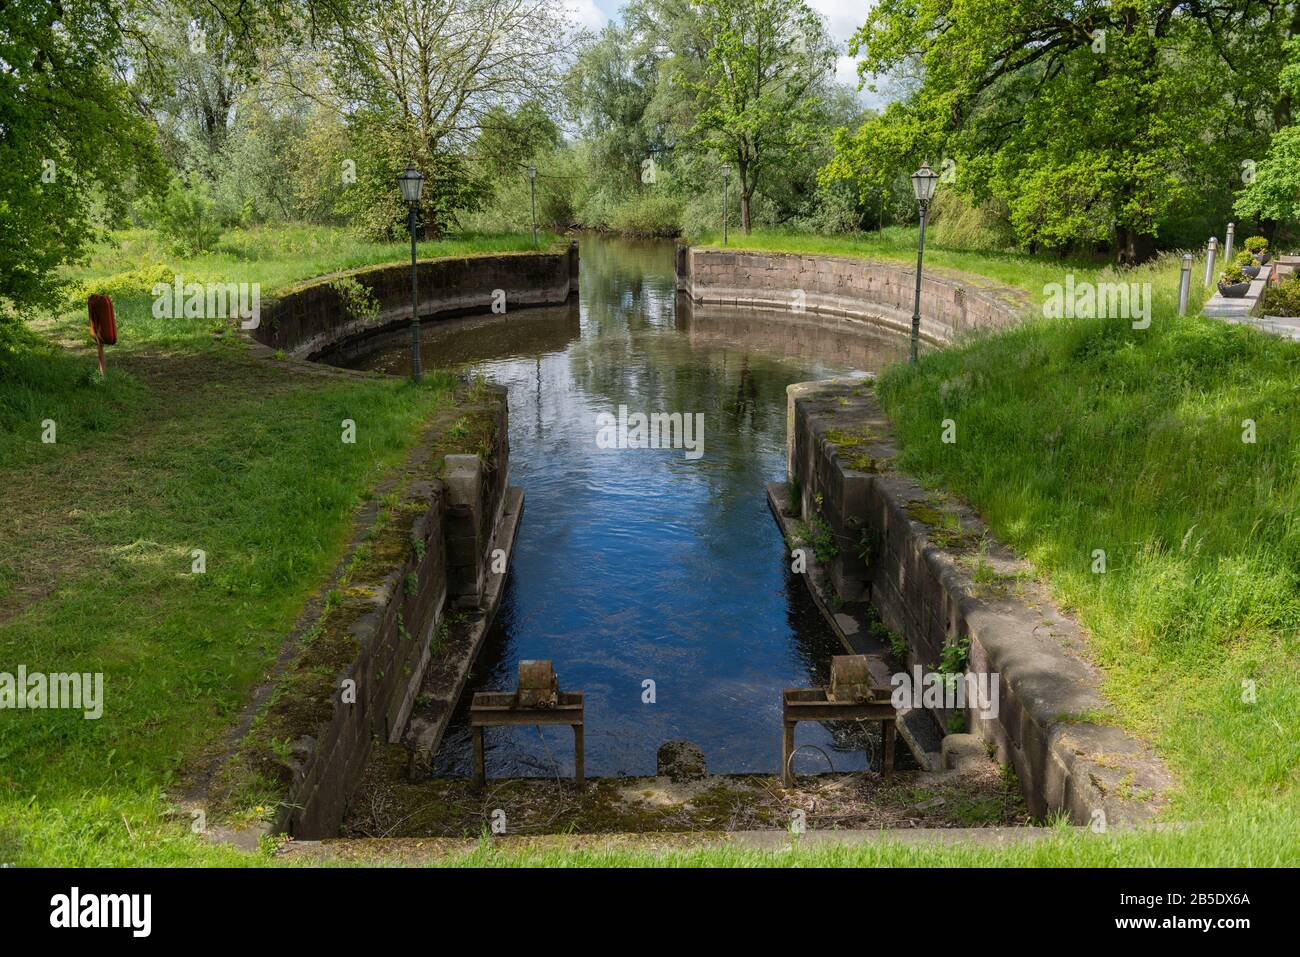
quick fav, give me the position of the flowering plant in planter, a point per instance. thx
(1247, 263)
(1257, 246)
(1233, 282)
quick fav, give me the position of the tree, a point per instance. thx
(1272, 193)
(761, 86)
(1091, 122)
(430, 73)
(70, 140)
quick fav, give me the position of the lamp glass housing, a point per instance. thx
(412, 182)
(923, 183)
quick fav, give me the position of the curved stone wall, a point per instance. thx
(309, 320)
(872, 291)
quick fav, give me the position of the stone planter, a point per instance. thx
(1234, 290)
(1252, 271)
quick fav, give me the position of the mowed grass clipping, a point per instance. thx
(1076, 438)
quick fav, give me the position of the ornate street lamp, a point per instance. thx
(923, 183)
(412, 182)
(726, 200)
(532, 198)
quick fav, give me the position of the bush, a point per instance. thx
(1256, 244)
(187, 218)
(1232, 275)
(648, 213)
(136, 282)
(1282, 299)
(955, 223)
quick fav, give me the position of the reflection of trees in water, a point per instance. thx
(627, 283)
(529, 331)
(453, 343)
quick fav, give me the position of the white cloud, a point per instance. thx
(585, 13)
(843, 17)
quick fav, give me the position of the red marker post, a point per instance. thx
(103, 325)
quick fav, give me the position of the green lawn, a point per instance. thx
(177, 450)
(1079, 435)
(1086, 435)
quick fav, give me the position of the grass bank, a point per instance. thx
(188, 446)
(1153, 477)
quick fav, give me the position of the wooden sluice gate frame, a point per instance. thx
(538, 701)
(852, 696)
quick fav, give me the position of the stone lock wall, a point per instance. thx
(870, 291)
(917, 569)
(446, 563)
(475, 498)
(306, 321)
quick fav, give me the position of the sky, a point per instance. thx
(843, 17)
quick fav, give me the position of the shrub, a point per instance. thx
(1233, 275)
(122, 285)
(186, 218)
(1283, 299)
(1243, 259)
(358, 301)
(1256, 244)
(647, 214)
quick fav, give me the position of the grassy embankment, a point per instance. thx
(188, 444)
(1081, 435)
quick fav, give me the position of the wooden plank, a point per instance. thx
(514, 718)
(480, 759)
(839, 712)
(889, 730)
(787, 749)
(579, 758)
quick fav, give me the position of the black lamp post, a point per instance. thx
(726, 200)
(411, 182)
(532, 199)
(923, 182)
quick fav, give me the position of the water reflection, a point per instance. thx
(640, 565)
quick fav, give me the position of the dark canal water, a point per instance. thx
(637, 565)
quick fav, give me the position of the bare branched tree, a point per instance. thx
(443, 65)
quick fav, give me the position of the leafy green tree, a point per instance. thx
(1273, 191)
(70, 141)
(760, 91)
(1090, 122)
(416, 80)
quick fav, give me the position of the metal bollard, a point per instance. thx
(1227, 247)
(1209, 259)
(1185, 284)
